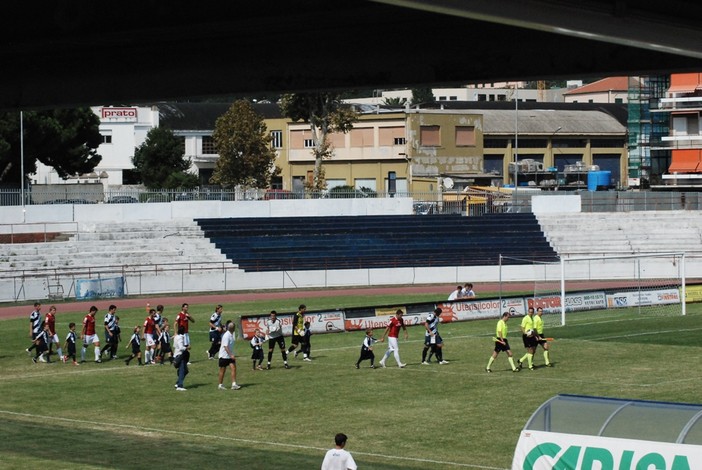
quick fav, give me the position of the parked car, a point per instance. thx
(71, 201)
(279, 194)
(122, 200)
(185, 197)
(349, 192)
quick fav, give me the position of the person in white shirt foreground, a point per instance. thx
(338, 458)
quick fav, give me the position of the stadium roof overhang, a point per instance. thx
(59, 53)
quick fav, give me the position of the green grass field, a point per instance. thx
(453, 416)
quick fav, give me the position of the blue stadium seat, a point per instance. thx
(350, 242)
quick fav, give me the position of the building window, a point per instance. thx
(277, 139)
(606, 143)
(618, 100)
(362, 137)
(453, 98)
(493, 164)
(391, 136)
(531, 143)
(465, 136)
(208, 145)
(430, 136)
(495, 143)
(276, 182)
(568, 143)
(106, 138)
(482, 97)
(560, 161)
(442, 98)
(308, 143)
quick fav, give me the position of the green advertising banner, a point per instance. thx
(538, 450)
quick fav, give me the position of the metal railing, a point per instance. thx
(35, 231)
(471, 202)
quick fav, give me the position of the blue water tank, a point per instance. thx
(592, 180)
(599, 180)
(604, 180)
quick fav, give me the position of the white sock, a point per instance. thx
(82, 354)
(97, 353)
(60, 352)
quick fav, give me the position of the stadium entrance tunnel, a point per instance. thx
(596, 433)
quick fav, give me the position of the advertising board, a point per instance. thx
(538, 450)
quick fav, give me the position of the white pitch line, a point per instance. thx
(236, 439)
(647, 333)
(67, 370)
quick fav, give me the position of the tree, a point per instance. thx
(244, 146)
(325, 113)
(395, 101)
(421, 96)
(64, 139)
(161, 163)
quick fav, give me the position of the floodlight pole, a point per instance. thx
(500, 277)
(24, 210)
(683, 292)
(516, 144)
(563, 301)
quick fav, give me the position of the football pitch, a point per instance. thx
(450, 416)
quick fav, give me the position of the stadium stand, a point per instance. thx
(125, 244)
(594, 233)
(348, 242)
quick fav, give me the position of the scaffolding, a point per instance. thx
(646, 129)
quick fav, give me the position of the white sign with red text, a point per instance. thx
(320, 322)
(363, 323)
(643, 298)
(574, 302)
(119, 114)
(480, 309)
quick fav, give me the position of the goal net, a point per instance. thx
(651, 284)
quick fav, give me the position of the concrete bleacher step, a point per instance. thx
(623, 232)
(128, 245)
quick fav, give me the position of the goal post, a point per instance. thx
(648, 283)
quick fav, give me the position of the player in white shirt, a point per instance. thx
(338, 458)
(456, 294)
(226, 356)
(274, 334)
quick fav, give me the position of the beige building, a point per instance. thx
(413, 150)
(419, 148)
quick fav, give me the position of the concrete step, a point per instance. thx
(127, 235)
(92, 263)
(101, 246)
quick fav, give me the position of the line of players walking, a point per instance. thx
(156, 337)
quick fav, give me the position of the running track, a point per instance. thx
(442, 291)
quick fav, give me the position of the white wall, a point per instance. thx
(555, 204)
(116, 213)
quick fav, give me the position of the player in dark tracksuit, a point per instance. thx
(367, 349)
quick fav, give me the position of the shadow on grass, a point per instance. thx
(34, 443)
